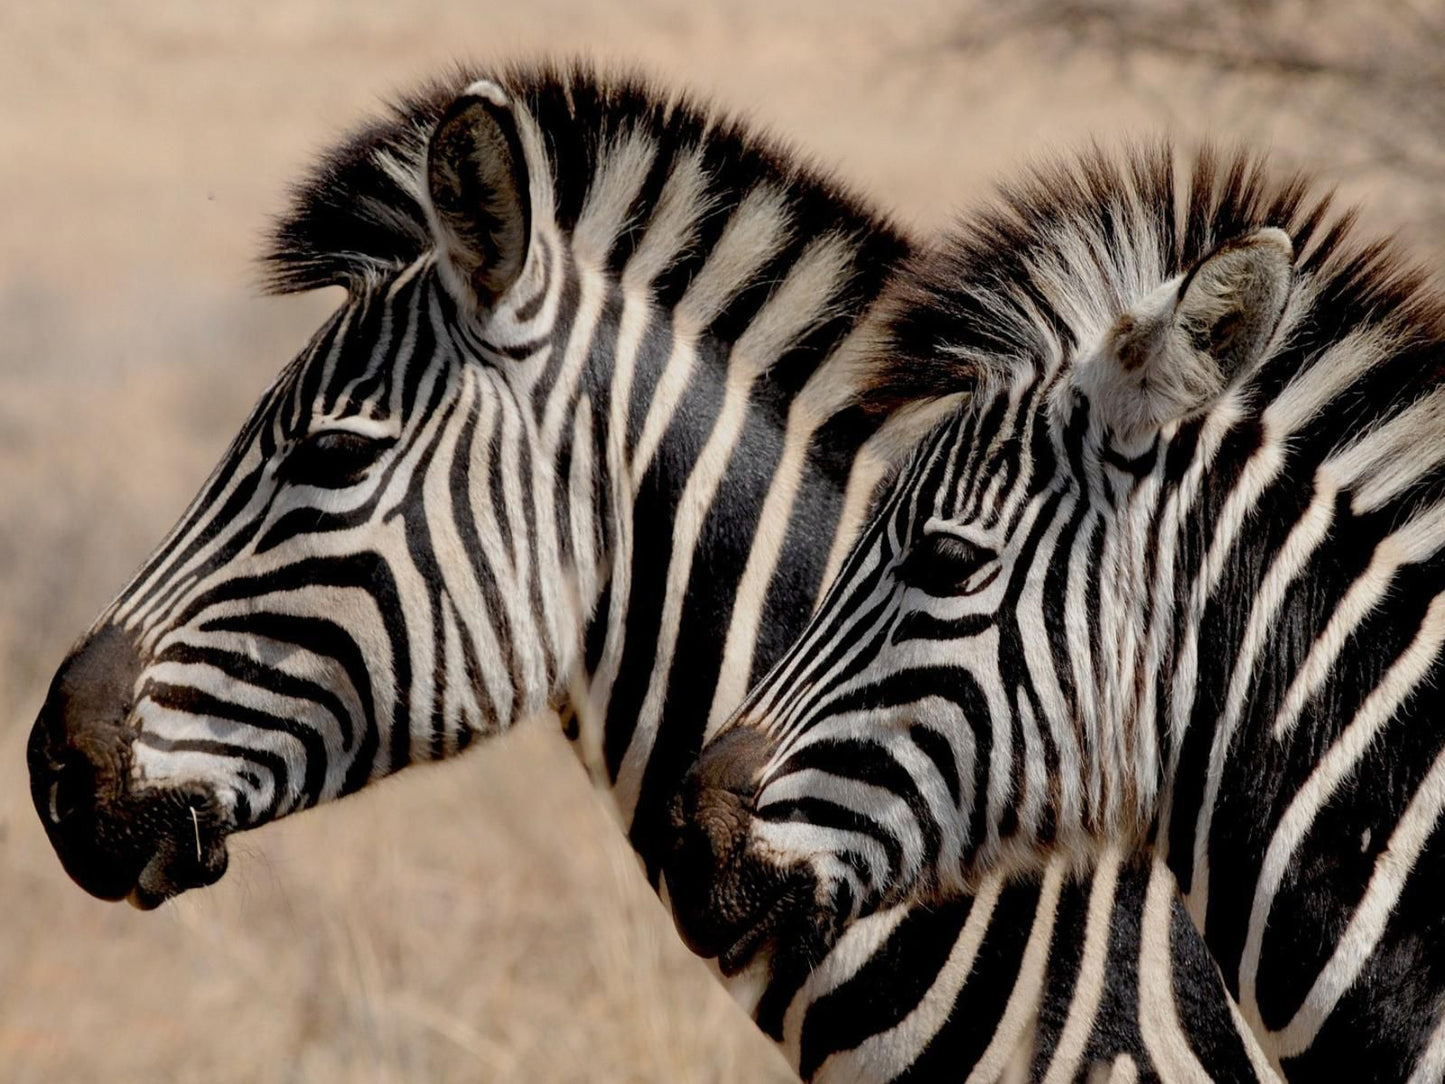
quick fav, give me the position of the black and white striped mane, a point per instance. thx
(359, 214)
(1062, 253)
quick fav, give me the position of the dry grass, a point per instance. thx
(482, 920)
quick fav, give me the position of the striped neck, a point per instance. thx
(683, 348)
(706, 466)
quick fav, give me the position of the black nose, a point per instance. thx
(79, 757)
(114, 841)
(727, 900)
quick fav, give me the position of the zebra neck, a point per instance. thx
(732, 493)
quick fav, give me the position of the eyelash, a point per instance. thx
(944, 564)
(333, 458)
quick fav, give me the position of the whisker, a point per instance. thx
(196, 827)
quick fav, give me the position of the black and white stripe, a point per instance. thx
(1094, 974)
(441, 519)
(609, 472)
(1169, 580)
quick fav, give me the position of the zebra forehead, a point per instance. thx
(359, 215)
(1061, 253)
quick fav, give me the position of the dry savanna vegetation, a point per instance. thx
(481, 920)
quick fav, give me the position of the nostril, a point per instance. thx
(715, 804)
(69, 791)
(79, 756)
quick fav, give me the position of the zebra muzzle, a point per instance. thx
(143, 847)
(729, 899)
(114, 841)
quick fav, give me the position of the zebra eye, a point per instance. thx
(333, 458)
(944, 564)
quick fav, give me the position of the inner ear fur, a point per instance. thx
(1183, 344)
(1232, 301)
(481, 211)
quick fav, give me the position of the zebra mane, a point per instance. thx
(359, 213)
(1061, 254)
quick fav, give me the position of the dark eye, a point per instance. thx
(944, 564)
(333, 458)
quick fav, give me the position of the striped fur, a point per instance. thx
(1054, 977)
(1210, 634)
(617, 489)
(686, 287)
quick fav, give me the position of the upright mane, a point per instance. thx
(1060, 254)
(360, 214)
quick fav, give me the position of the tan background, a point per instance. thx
(481, 920)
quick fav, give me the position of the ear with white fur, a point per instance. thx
(1179, 347)
(481, 211)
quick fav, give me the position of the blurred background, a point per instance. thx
(481, 920)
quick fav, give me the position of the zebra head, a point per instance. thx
(397, 553)
(569, 297)
(975, 687)
(294, 637)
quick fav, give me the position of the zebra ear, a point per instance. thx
(1185, 342)
(481, 211)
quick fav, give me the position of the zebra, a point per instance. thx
(591, 398)
(1092, 972)
(1168, 579)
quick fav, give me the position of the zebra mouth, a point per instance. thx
(115, 839)
(118, 843)
(191, 855)
(776, 930)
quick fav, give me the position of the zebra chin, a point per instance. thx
(115, 840)
(730, 899)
